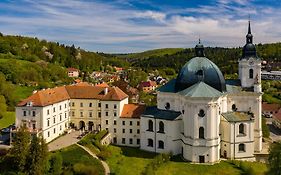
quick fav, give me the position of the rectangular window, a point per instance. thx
(33, 113)
(106, 129)
(81, 114)
(24, 113)
(60, 117)
(54, 109)
(65, 105)
(114, 130)
(114, 122)
(48, 133)
(73, 113)
(106, 113)
(138, 123)
(65, 116)
(115, 114)
(131, 123)
(115, 106)
(123, 141)
(81, 104)
(131, 141)
(60, 107)
(123, 122)
(100, 114)
(138, 131)
(131, 131)
(60, 127)
(48, 112)
(90, 114)
(34, 126)
(106, 122)
(54, 130)
(73, 104)
(138, 141)
(106, 106)
(48, 122)
(54, 119)
(90, 104)
(99, 105)
(123, 130)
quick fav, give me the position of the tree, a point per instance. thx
(37, 157)
(3, 106)
(20, 148)
(56, 164)
(275, 159)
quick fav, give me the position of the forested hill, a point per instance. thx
(225, 58)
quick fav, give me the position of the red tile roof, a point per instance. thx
(132, 111)
(72, 69)
(277, 115)
(102, 85)
(148, 83)
(46, 97)
(55, 95)
(270, 107)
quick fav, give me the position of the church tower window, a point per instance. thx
(241, 128)
(150, 125)
(161, 127)
(201, 113)
(201, 133)
(251, 73)
(150, 142)
(242, 147)
(234, 107)
(160, 144)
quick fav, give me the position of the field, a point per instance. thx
(22, 92)
(132, 161)
(74, 155)
(8, 119)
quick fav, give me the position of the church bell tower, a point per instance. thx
(250, 65)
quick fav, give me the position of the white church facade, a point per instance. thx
(205, 117)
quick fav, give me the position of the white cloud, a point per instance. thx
(151, 15)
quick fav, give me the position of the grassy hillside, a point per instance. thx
(146, 54)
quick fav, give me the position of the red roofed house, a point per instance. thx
(270, 109)
(148, 86)
(72, 72)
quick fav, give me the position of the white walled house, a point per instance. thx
(45, 112)
(205, 116)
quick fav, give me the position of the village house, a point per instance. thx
(72, 72)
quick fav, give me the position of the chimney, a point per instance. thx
(105, 91)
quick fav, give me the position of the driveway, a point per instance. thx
(64, 141)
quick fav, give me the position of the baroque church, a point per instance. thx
(203, 116)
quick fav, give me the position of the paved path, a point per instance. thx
(104, 164)
(64, 141)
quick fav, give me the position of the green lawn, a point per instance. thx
(74, 154)
(22, 92)
(8, 119)
(132, 161)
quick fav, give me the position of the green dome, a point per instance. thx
(198, 69)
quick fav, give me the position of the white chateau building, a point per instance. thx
(199, 114)
(203, 116)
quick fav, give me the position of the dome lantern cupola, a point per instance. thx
(249, 50)
(199, 49)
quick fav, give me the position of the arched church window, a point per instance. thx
(241, 147)
(201, 133)
(167, 106)
(150, 143)
(160, 144)
(241, 128)
(150, 125)
(251, 73)
(234, 107)
(161, 127)
(201, 113)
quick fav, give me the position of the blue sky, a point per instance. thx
(136, 25)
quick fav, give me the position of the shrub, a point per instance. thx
(82, 169)
(56, 164)
(105, 154)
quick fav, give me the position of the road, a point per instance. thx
(275, 133)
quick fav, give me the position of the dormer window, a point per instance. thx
(167, 106)
(29, 103)
(201, 113)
